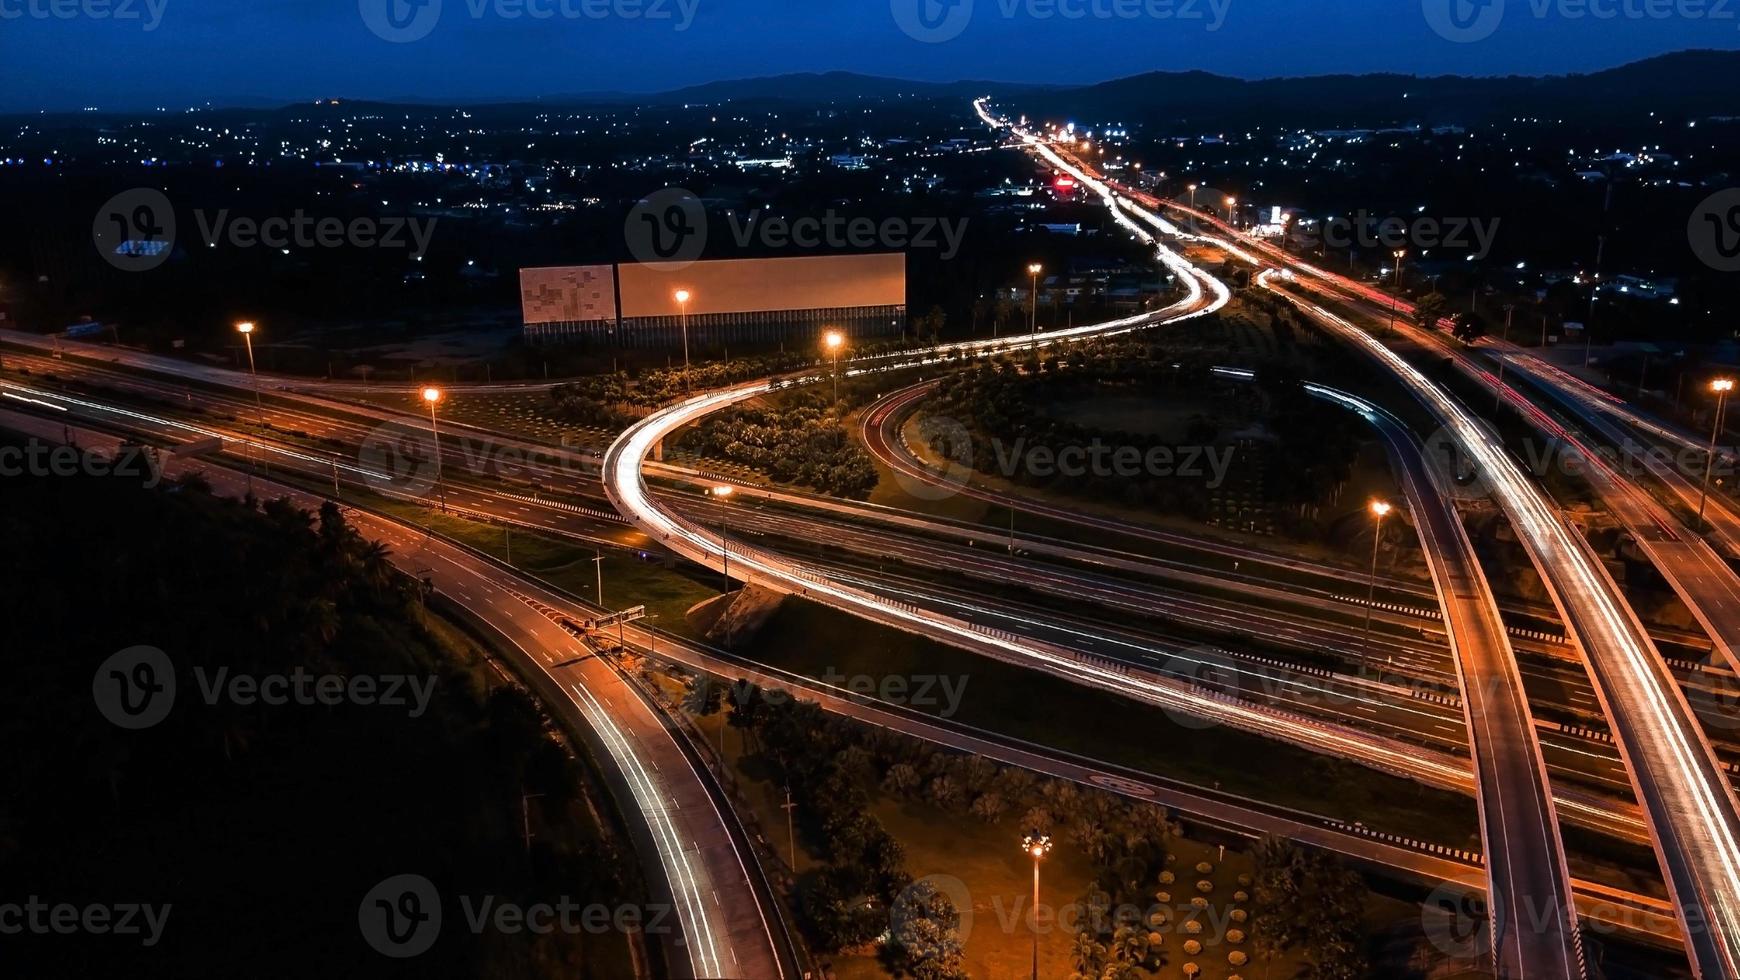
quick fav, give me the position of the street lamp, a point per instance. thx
(723, 492)
(1231, 215)
(835, 340)
(1396, 290)
(1193, 197)
(246, 329)
(683, 296)
(1034, 270)
(432, 396)
(1721, 386)
(1379, 510)
(1037, 845)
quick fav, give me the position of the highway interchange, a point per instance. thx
(1448, 639)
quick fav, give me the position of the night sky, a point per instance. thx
(225, 51)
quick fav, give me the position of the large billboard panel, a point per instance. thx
(568, 293)
(763, 285)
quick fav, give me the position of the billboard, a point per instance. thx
(764, 285)
(568, 293)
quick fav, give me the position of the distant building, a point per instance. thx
(731, 300)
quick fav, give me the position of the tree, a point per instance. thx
(924, 938)
(1430, 309)
(1469, 327)
(705, 698)
(747, 703)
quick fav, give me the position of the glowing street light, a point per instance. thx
(1379, 510)
(683, 296)
(1396, 292)
(1193, 197)
(246, 329)
(1037, 845)
(1721, 386)
(433, 396)
(1232, 216)
(1033, 307)
(835, 340)
(724, 492)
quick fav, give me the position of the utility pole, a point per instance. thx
(790, 827)
(526, 818)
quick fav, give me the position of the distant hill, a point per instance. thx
(834, 86)
(1687, 83)
(1674, 84)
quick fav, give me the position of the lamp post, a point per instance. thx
(835, 340)
(1396, 290)
(433, 396)
(723, 492)
(1193, 197)
(1036, 845)
(1721, 386)
(1034, 270)
(246, 329)
(1379, 510)
(683, 296)
(1231, 215)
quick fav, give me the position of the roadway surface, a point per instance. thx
(1607, 908)
(694, 852)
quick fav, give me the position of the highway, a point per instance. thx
(1424, 862)
(1690, 807)
(1693, 817)
(695, 854)
(1534, 933)
(1534, 922)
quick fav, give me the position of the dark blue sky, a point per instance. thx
(177, 52)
